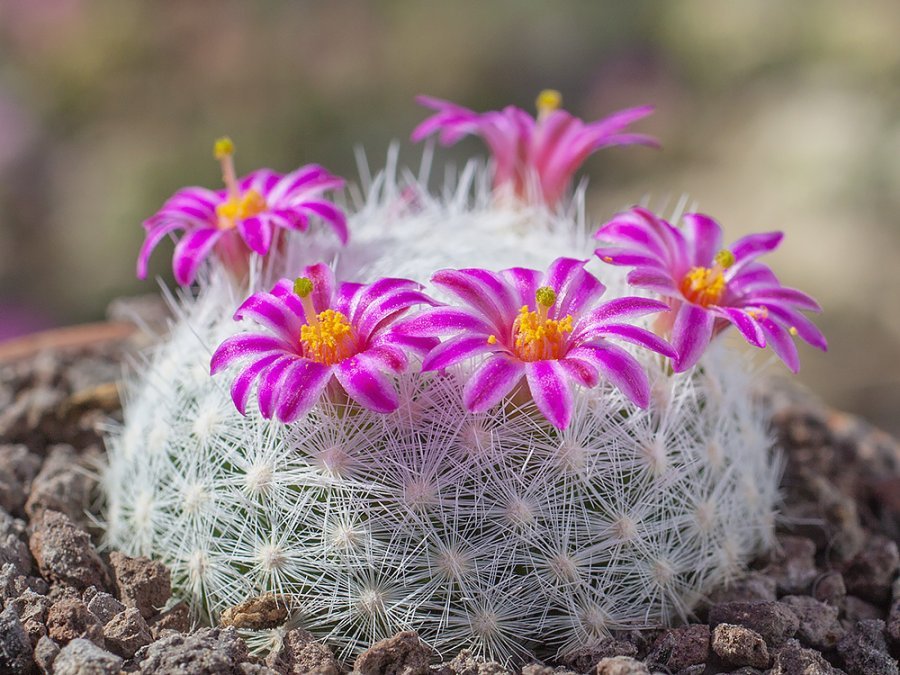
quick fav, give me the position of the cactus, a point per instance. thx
(495, 532)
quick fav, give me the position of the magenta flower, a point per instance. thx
(243, 217)
(545, 327)
(533, 158)
(708, 286)
(315, 332)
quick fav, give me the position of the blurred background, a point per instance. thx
(772, 115)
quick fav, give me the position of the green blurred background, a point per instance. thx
(772, 115)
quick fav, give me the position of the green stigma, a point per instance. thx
(303, 286)
(724, 259)
(223, 147)
(545, 296)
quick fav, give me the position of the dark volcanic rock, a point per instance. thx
(793, 564)
(774, 621)
(18, 467)
(754, 586)
(64, 553)
(142, 583)
(792, 659)
(403, 654)
(61, 485)
(300, 653)
(126, 633)
(45, 653)
(177, 618)
(740, 646)
(101, 604)
(32, 610)
(69, 619)
(830, 588)
(870, 573)
(864, 650)
(680, 648)
(209, 651)
(621, 665)
(586, 659)
(466, 663)
(15, 647)
(819, 625)
(83, 657)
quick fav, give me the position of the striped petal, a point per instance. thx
(493, 380)
(549, 386)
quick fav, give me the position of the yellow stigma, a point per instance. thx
(724, 259)
(303, 286)
(330, 339)
(250, 204)
(223, 147)
(536, 337)
(548, 101)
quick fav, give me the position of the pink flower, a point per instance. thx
(710, 287)
(545, 327)
(313, 333)
(243, 217)
(533, 158)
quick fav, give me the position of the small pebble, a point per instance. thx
(83, 657)
(45, 653)
(69, 619)
(864, 650)
(680, 648)
(740, 646)
(830, 588)
(870, 573)
(792, 659)
(300, 653)
(792, 564)
(774, 621)
(142, 583)
(126, 633)
(819, 625)
(621, 665)
(402, 654)
(15, 646)
(64, 553)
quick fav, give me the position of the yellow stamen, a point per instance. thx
(329, 339)
(548, 101)
(793, 330)
(606, 258)
(250, 204)
(704, 286)
(537, 337)
(759, 313)
(492, 339)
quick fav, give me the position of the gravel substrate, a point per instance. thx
(826, 601)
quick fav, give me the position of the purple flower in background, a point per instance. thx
(545, 327)
(533, 158)
(710, 287)
(315, 332)
(243, 217)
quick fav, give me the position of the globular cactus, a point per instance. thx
(496, 531)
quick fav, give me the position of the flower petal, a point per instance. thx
(581, 370)
(524, 281)
(549, 386)
(493, 380)
(705, 236)
(746, 324)
(443, 321)
(457, 349)
(804, 328)
(271, 390)
(472, 292)
(620, 368)
(691, 335)
(616, 310)
(301, 386)
(331, 214)
(366, 385)
(270, 311)
(243, 383)
(322, 278)
(152, 238)
(639, 336)
(256, 233)
(191, 251)
(779, 339)
(245, 345)
(752, 246)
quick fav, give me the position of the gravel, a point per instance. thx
(825, 600)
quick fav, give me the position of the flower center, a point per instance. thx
(327, 337)
(705, 286)
(537, 337)
(330, 339)
(250, 204)
(238, 206)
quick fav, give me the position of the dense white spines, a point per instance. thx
(493, 532)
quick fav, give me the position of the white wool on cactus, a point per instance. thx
(494, 532)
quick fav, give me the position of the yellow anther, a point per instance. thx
(607, 259)
(545, 296)
(329, 339)
(793, 330)
(759, 313)
(703, 286)
(250, 204)
(223, 147)
(303, 286)
(548, 101)
(492, 339)
(724, 259)
(538, 338)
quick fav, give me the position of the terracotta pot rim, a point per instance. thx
(64, 339)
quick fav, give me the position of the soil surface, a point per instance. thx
(827, 600)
